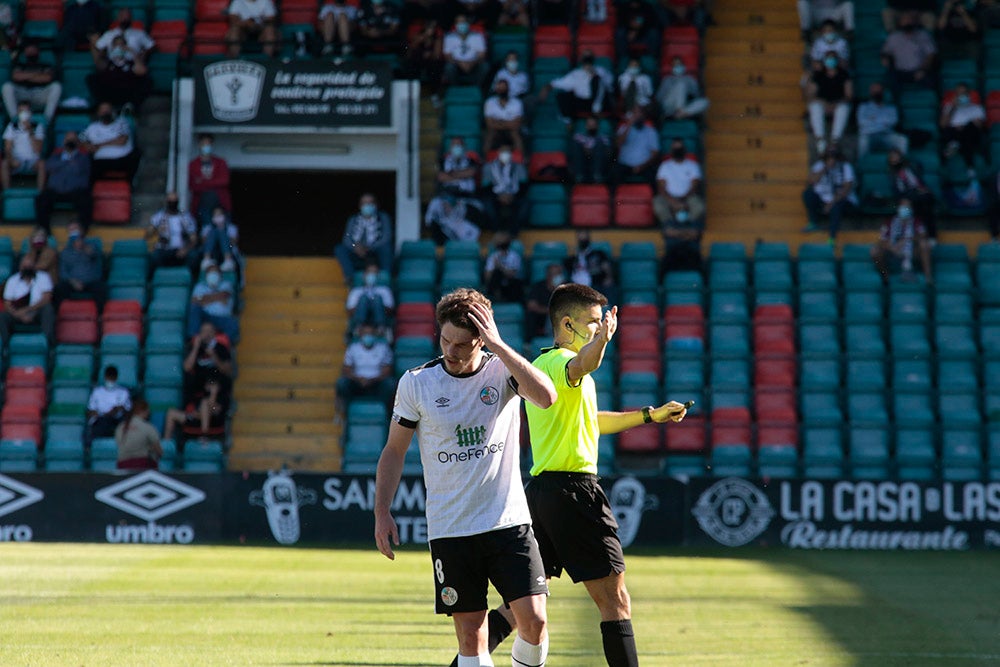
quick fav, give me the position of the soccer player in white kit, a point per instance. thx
(465, 408)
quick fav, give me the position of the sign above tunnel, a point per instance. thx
(247, 93)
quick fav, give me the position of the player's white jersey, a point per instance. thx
(468, 428)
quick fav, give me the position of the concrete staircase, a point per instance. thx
(430, 148)
(289, 358)
(755, 146)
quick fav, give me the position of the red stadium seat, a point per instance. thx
(949, 96)
(598, 38)
(684, 312)
(733, 414)
(547, 167)
(112, 202)
(644, 440)
(82, 309)
(209, 38)
(169, 35)
(774, 338)
(775, 371)
(77, 332)
(25, 376)
(44, 10)
(773, 313)
(637, 331)
(422, 329)
(776, 405)
(634, 205)
(211, 10)
(777, 433)
(636, 313)
(21, 414)
(684, 329)
(687, 436)
(31, 396)
(590, 206)
(22, 431)
(119, 327)
(678, 34)
(122, 309)
(553, 41)
(730, 433)
(415, 312)
(643, 364)
(688, 52)
(641, 346)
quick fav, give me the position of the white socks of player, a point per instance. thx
(529, 655)
(475, 660)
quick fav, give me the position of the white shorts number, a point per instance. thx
(439, 571)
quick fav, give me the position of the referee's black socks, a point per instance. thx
(619, 643)
(499, 629)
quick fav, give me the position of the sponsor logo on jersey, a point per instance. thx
(442, 402)
(468, 437)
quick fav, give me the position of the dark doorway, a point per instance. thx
(301, 212)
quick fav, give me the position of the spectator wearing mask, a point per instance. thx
(176, 236)
(109, 142)
(590, 153)
(27, 299)
(367, 370)
(139, 446)
(218, 241)
(208, 358)
(252, 19)
(122, 77)
(831, 191)
(896, 242)
(212, 301)
(957, 30)
(518, 82)
(638, 32)
(208, 180)
(370, 303)
(32, 81)
(582, 91)
(450, 218)
(829, 39)
(909, 54)
(830, 93)
(679, 95)
(678, 185)
(137, 41)
(503, 115)
(22, 148)
(67, 179)
(877, 121)
(963, 126)
(459, 169)
(503, 182)
(638, 145)
(81, 25)
(591, 267)
(465, 54)
(907, 184)
(682, 242)
(367, 239)
(514, 13)
(108, 404)
(502, 271)
(635, 87)
(42, 252)
(81, 269)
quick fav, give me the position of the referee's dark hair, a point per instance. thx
(454, 307)
(571, 297)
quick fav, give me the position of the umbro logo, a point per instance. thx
(150, 495)
(442, 402)
(14, 495)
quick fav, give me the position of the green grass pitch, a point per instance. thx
(106, 605)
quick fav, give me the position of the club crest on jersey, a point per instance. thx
(489, 395)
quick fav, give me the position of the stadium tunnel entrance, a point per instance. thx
(301, 212)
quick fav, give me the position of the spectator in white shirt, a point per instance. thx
(829, 40)
(137, 41)
(503, 271)
(812, 12)
(678, 94)
(518, 83)
(109, 142)
(106, 407)
(503, 115)
(877, 120)
(176, 236)
(370, 303)
(635, 86)
(963, 124)
(583, 90)
(678, 181)
(450, 218)
(464, 54)
(121, 76)
(252, 19)
(503, 181)
(27, 299)
(22, 146)
(212, 301)
(367, 370)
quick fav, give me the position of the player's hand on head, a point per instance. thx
(385, 528)
(482, 317)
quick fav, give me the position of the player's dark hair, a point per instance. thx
(454, 307)
(570, 298)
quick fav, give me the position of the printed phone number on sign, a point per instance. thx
(322, 109)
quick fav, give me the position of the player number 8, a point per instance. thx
(439, 570)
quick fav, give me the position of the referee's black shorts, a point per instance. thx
(574, 526)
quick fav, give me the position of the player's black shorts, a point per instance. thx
(464, 567)
(574, 526)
